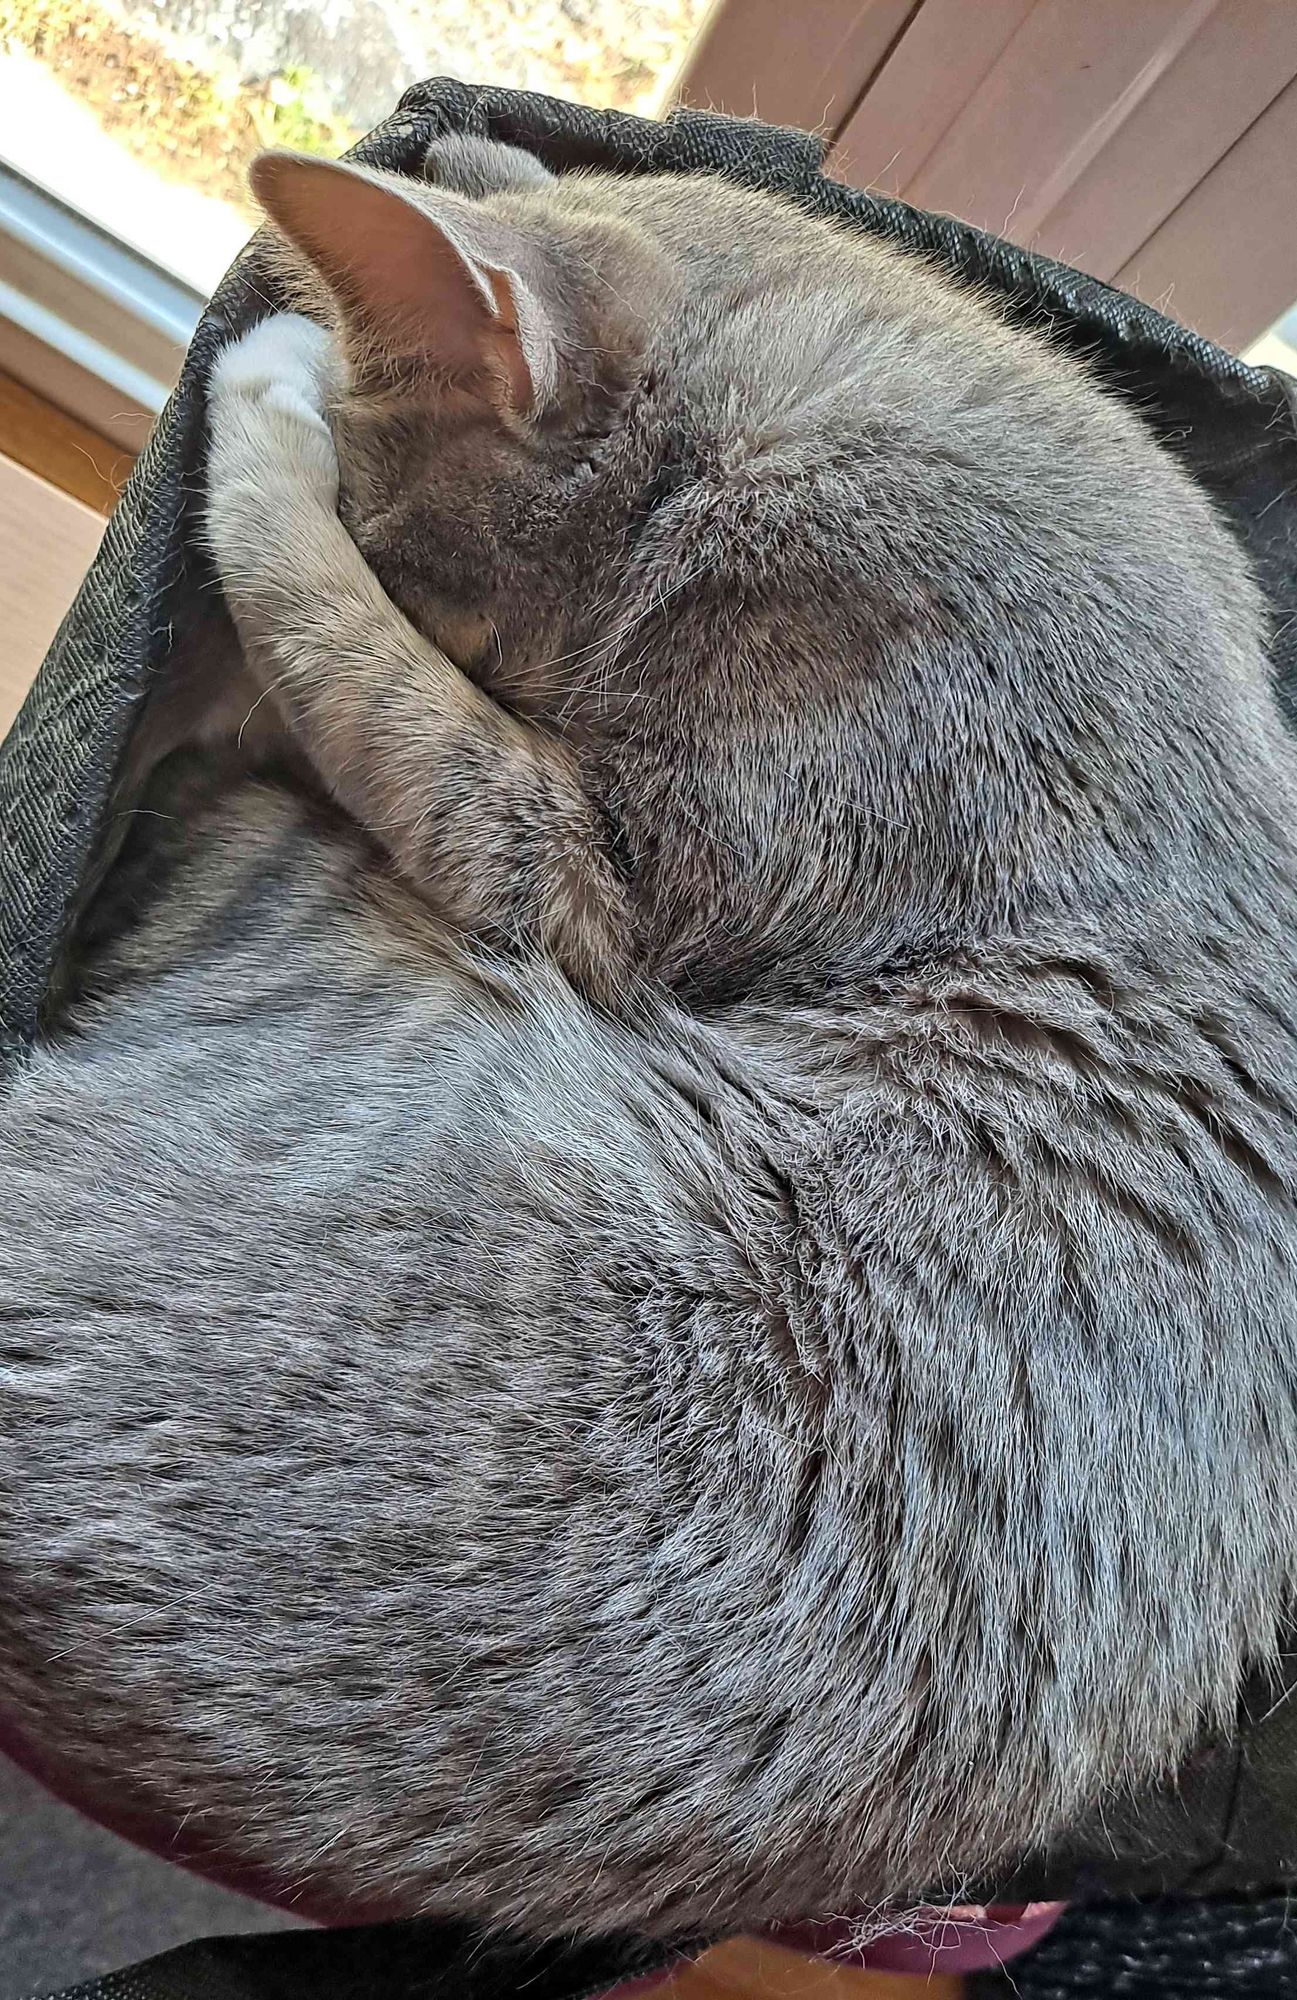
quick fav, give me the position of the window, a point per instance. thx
(144, 114)
(126, 128)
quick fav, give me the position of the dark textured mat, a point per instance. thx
(1208, 1948)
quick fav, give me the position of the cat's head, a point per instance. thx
(497, 325)
(877, 625)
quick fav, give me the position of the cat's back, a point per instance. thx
(457, 1356)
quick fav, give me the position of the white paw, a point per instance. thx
(272, 453)
(286, 363)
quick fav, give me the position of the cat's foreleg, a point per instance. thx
(485, 813)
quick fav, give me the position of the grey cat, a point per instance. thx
(656, 1283)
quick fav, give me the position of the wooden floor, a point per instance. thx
(46, 542)
(748, 1969)
(57, 483)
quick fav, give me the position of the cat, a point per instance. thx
(654, 1281)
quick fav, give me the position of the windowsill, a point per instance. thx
(85, 321)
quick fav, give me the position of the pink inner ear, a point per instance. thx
(409, 283)
(406, 272)
(510, 343)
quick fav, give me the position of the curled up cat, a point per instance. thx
(653, 1279)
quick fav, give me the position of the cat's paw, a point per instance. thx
(268, 396)
(286, 362)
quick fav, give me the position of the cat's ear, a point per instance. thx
(424, 274)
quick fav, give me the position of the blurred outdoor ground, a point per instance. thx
(188, 90)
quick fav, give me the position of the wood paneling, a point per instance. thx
(1221, 80)
(934, 70)
(1147, 141)
(1226, 260)
(791, 65)
(1067, 80)
(62, 451)
(749, 1969)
